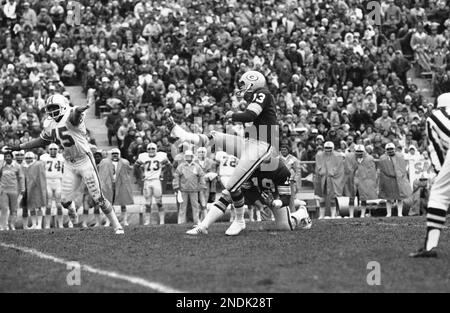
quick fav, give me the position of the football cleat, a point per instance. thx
(170, 123)
(197, 230)
(235, 228)
(423, 253)
(305, 223)
(119, 231)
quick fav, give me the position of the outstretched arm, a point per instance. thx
(76, 115)
(35, 143)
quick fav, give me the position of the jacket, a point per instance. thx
(189, 177)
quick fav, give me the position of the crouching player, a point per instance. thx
(269, 187)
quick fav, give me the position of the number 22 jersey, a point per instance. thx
(71, 137)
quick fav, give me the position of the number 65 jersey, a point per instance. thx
(71, 137)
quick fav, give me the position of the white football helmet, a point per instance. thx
(56, 106)
(152, 148)
(53, 149)
(249, 82)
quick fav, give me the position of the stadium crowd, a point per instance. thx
(336, 76)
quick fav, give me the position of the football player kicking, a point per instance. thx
(269, 187)
(153, 161)
(251, 151)
(65, 125)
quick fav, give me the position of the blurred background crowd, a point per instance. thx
(335, 75)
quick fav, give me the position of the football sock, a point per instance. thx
(162, 216)
(239, 209)
(435, 222)
(112, 217)
(196, 139)
(212, 216)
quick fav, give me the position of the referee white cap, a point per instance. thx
(443, 100)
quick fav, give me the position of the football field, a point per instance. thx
(332, 256)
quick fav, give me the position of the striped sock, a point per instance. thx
(435, 222)
(238, 201)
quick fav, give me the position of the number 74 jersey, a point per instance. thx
(71, 137)
(54, 166)
(152, 165)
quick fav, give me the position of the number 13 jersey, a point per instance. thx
(72, 138)
(152, 165)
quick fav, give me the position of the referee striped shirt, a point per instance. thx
(438, 131)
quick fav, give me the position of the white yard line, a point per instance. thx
(130, 279)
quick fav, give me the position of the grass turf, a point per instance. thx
(330, 257)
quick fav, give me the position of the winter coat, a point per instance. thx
(330, 176)
(36, 185)
(189, 177)
(123, 187)
(362, 176)
(393, 182)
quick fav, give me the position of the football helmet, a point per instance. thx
(53, 149)
(248, 83)
(390, 149)
(152, 148)
(56, 106)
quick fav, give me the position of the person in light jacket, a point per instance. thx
(189, 179)
(393, 183)
(12, 184)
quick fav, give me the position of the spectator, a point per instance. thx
(12, 184)
(115, 177)
(393, 181)
(329, 178)
(362, 175)
(189, 179)
(36, 191)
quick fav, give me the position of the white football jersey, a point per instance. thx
(227, 163)
(152, 165)
(54, 166)
(71, 138)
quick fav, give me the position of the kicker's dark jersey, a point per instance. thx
(266, 122)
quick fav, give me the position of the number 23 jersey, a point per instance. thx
(152, 165)
(71, 137)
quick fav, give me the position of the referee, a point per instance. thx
(438, 131)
